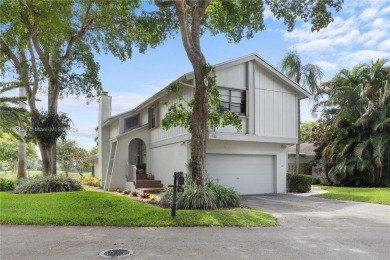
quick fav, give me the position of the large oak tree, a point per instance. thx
(236, 19)
(54, 44)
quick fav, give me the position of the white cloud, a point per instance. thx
(360, 33)
(385, 45)
(362, 56)
(368, 14)
(326, 65)
(123, 101)
(372, 37)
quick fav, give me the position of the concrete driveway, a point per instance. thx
(308, 228)
(300, 211)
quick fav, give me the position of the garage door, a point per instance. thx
(248, 174)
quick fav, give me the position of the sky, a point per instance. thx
(360, 33)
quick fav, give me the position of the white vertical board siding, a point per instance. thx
(233, 77)
(160, 134)
(275, 108)
(232, 129)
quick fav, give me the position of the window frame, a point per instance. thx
(127, 129)
(153, 116)
(242, 105)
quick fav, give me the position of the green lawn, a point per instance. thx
(372, 195)
(32, 173)
(92, 208)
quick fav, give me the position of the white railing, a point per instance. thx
(131, 173)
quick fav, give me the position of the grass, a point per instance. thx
(371, 195)
(92, 208)
(32, 173)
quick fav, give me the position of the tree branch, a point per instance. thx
(7, 50)
(33, 93)
(84, 28)
(164, 3)
(181, 12)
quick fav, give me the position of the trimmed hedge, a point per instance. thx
(298, 182)
(48, 184)
(6, 184)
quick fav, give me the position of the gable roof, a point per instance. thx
(221, 66)
(303, 93)
(306, 149)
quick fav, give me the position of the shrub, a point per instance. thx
(127, 192)
(144, 195)
(6, 184)
(298, 182)
(91, 181)
(134, 193)
(225, 197)
(195, 197)
(48, 184)
(211, 196)
(153, 197)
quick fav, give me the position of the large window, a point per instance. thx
(153, 116)
(233, 100)
(131, 122)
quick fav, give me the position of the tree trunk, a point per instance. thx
(199, 121)
(22, 145)
(45, 154)
(52, 106)
(190, 30)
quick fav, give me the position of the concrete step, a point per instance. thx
(143, 176)
(148, 184)
(150, 190)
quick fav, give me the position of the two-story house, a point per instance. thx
(252, 161)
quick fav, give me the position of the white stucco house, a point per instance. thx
(253, 161)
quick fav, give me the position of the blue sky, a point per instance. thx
(360, 33)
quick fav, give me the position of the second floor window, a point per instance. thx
(233, 100)
(131, 122)
(153, 116)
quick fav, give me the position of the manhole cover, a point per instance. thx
(116, 253)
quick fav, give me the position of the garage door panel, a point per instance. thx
(248, 174)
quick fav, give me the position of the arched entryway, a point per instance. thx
(137, 154)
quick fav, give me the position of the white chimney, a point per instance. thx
(104, 107)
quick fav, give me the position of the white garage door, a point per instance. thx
(248, 174)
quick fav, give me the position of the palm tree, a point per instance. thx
(12, 117)
(358, 109)
(309, 76)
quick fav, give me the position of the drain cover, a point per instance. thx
(116, 253)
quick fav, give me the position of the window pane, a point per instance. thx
(236, 99)
(224, 95)
(223, 107)
(131, 122)
(243, 109)
(235, 108)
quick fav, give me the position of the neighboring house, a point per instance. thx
(306, 156)
(253, 161)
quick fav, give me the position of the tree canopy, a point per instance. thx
(353, 137)
(234, 19)
(53, 46)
